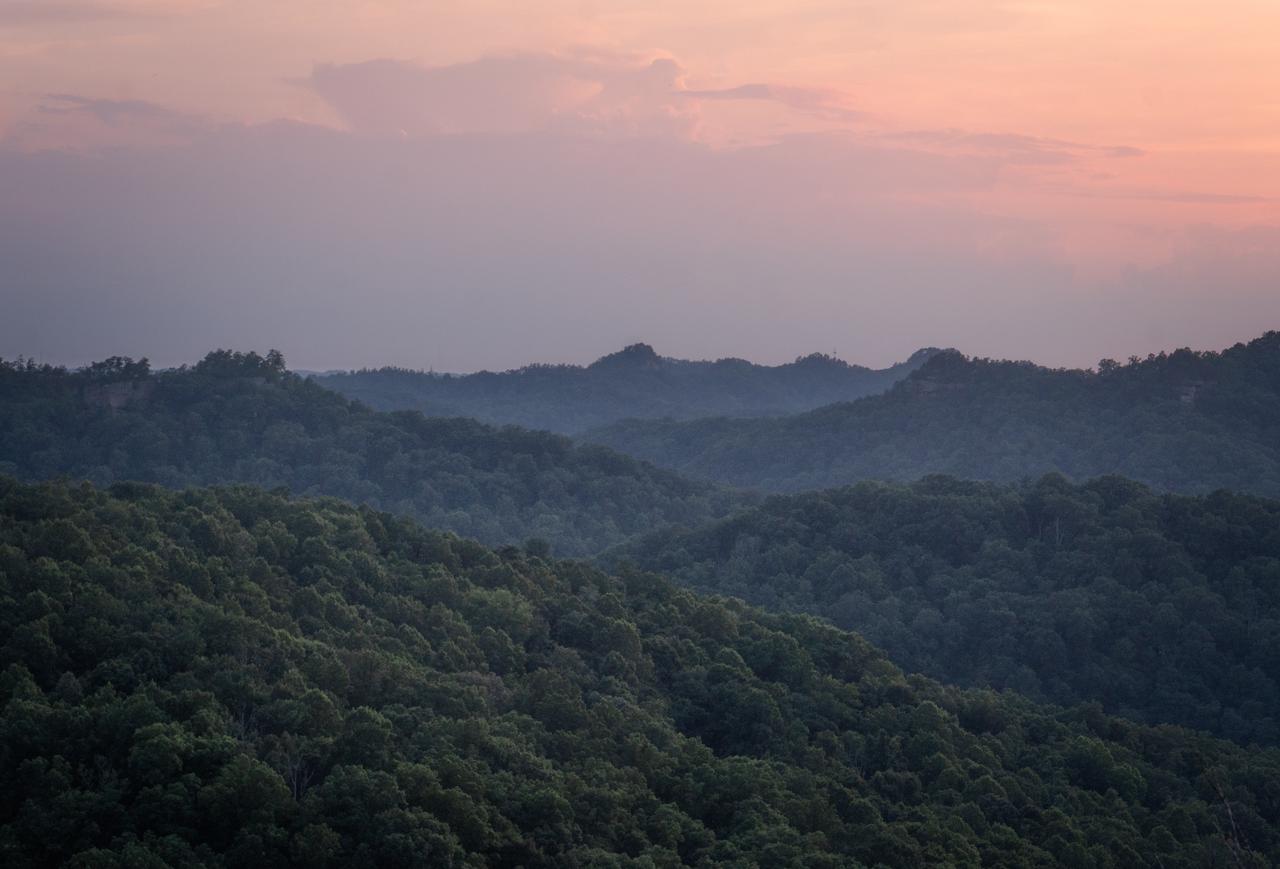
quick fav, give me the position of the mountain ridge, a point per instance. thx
(244, 418)
(634, 382)
(1182, 421)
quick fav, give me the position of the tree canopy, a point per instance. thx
(1162, 608)
(228, 677)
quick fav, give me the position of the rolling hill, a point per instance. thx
(633, 383)
(232, 678)
(242, 418)
(1161, 608)
(1181, 421)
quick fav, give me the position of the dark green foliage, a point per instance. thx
(1163, 608)
(243, 418)
(1184, 421)
(633, 383)
(230, 678)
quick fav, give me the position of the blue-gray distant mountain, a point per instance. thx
(634, 383)
(1181, 421)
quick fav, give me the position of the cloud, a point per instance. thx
(506, 93)
(824, 102)
(1015, 147)
(15, 13)
(76, 122)
(591, 92)
(117, 112)
(1190, 197)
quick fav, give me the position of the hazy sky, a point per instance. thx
(474, 184)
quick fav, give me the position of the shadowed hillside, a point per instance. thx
(242, 418)
(1163, 608)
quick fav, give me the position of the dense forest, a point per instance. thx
(237, 417)
(1163, 608)
(1181, 421)
(633, 383)
(226, 677)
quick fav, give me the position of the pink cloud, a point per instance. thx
(76, 122)
(823, 102)
(593, 92)
(519, 92)
(1014, 146)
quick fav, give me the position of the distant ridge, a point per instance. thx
(241, 418)
(632, 356)
(634, 382)
(1183, 421)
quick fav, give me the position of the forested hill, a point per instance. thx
(244, 418)
(1182, 421)
(633, 383)
(229, 678)
(1163, 608)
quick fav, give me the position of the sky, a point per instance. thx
(481, 184)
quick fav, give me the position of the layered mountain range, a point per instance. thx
(635, 382)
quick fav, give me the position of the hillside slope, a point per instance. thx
(1183, 421)
(240, 418)
(1162, 608)
(633, 383)
(229, 678)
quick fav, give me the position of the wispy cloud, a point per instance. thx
(1190, 197)
(117, 112)
(823, 102)
(14, 13)
(78, 122)
(1014, 146)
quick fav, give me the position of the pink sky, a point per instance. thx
(497, 183)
